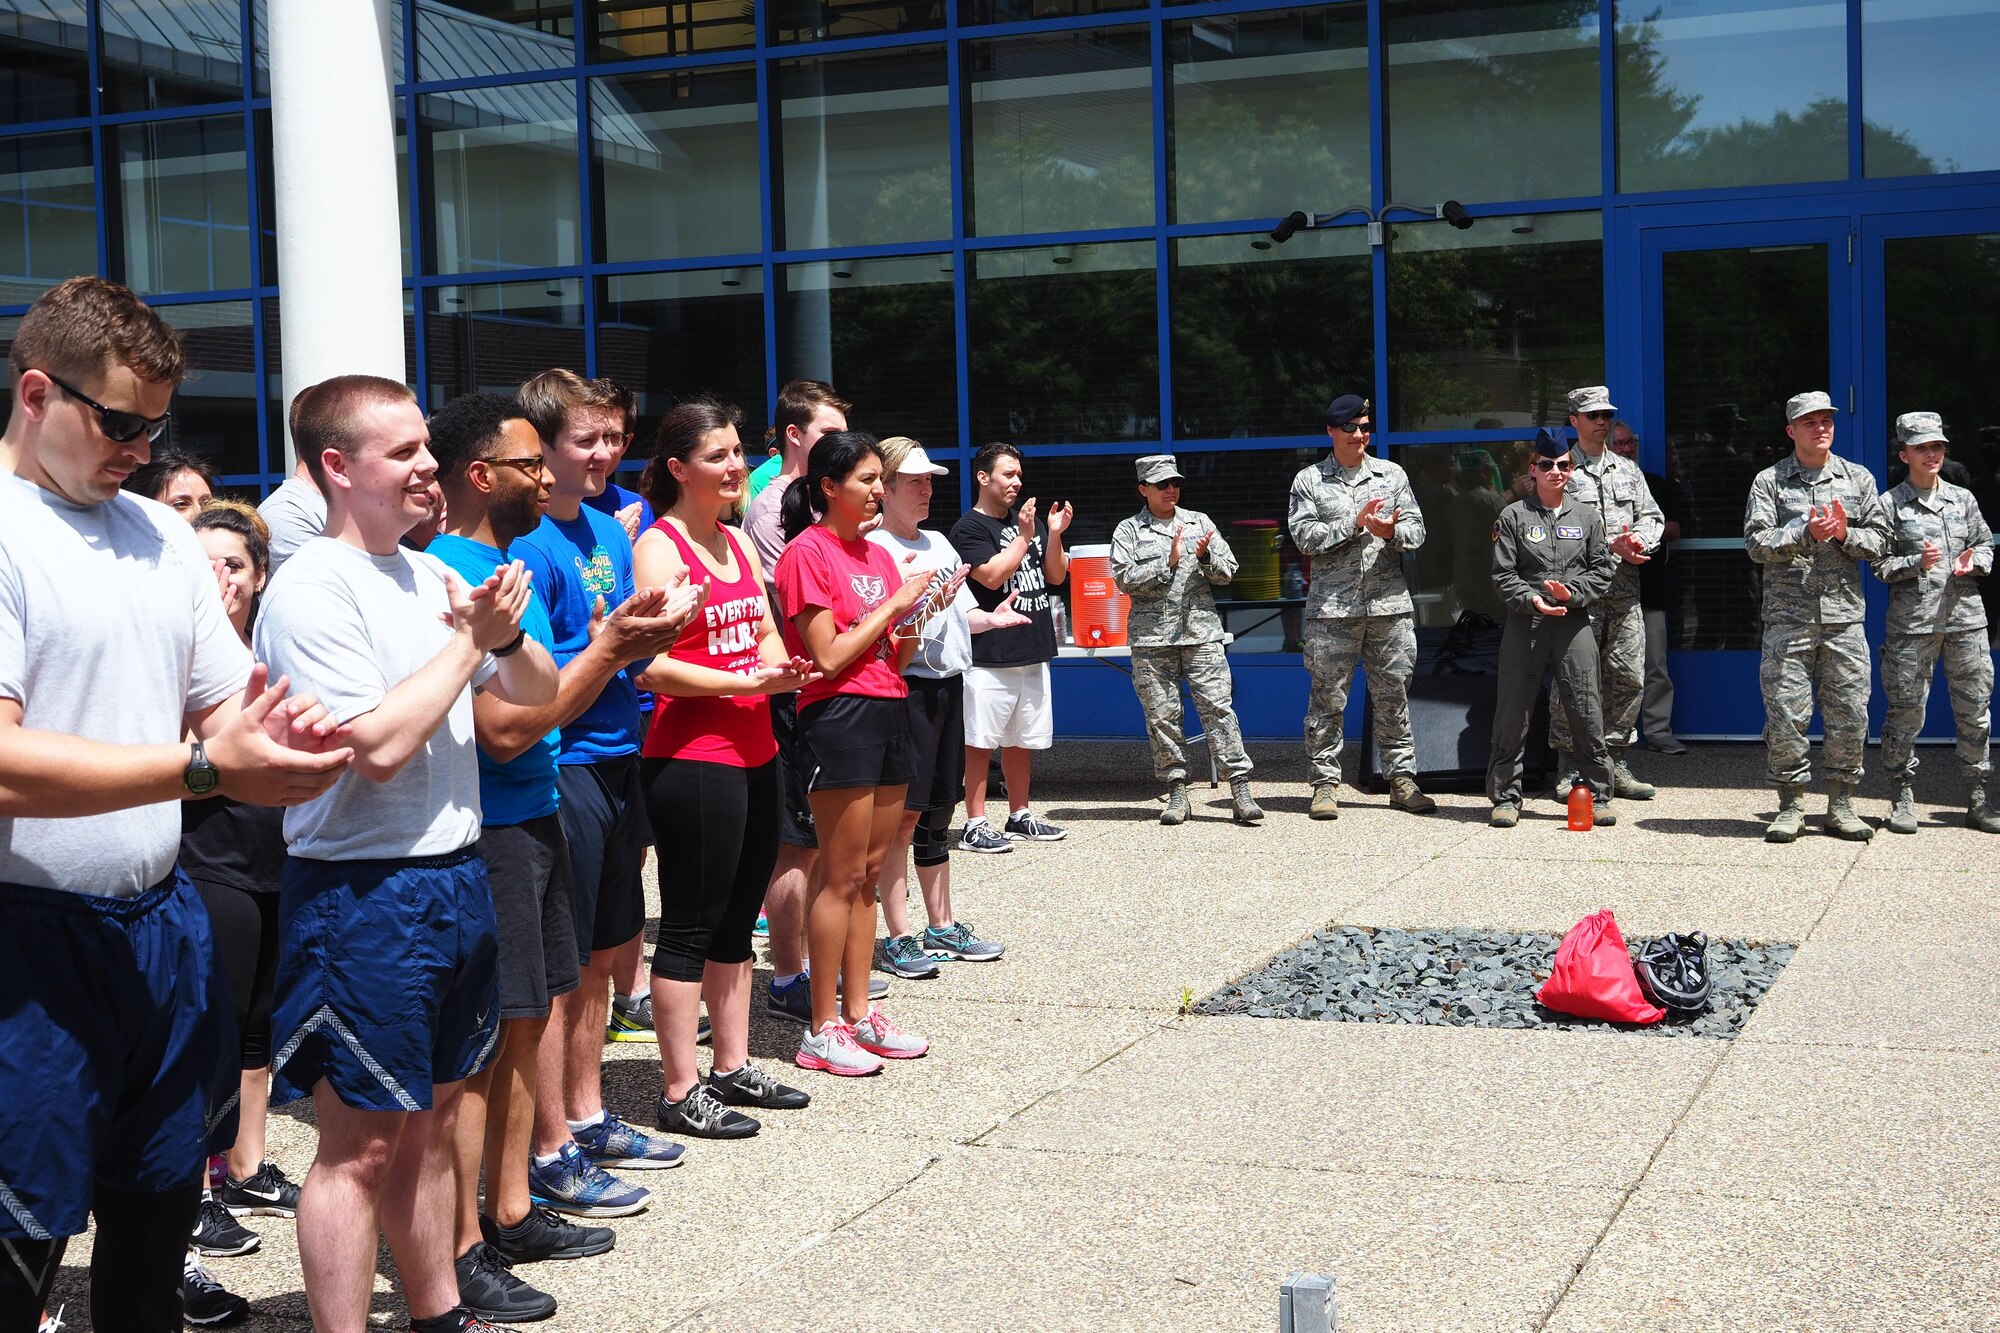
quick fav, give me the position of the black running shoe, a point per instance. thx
(490, 1290)
(217, 1233)
(204, 1302)
(1024, 826)
(267, 1193)
(702, 1115)
(751, 1086)
(545, 1235)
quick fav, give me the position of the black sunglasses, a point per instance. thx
(119, 427)
(1356, 428)
(1552, 465)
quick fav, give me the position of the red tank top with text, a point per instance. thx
(723, 636)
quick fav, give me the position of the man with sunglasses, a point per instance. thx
(1551, 564)
(123, 692)
(1169, 560)
(1355, 517)
(1812, 518)
(1633, 525)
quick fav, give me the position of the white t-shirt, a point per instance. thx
(110, 629)
(946, 649)
(347, 627)
(295, 513)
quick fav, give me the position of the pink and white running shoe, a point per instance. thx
(833, 1048)
(876, 1033)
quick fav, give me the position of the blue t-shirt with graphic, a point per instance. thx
(576, 561)
(524, 787)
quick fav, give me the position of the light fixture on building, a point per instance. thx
(842, 269)
(945, 264)
(1299, 220)
(732, 277)
(552, 291)
(1063, 254)
(1523, 225)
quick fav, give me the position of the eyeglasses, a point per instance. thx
(119, 427)
(1598, 416)
(533, 465)
(1357, 428)
(1552, 465)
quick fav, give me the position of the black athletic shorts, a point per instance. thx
(937, 742)
(604, 819)
(856, 741)
(795, 816)
(534, 916)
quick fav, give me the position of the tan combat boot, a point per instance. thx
(1243, 808)
(1625, 785)
(1405, 794)
(1177, 805)
(1903, 810)
(1326, 801)
(1841, 821)
(1978, 814)
(1791, 820)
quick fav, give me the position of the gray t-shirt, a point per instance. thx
(347, 627)
(110, 629)
(295, 513)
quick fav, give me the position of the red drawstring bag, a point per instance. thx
(1593, 976)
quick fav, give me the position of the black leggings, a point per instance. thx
(716, 827)
(140, 1244)
(245, 926)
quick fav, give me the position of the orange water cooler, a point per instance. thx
(1097, 610)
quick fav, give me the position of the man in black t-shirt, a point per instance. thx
(1007, 703)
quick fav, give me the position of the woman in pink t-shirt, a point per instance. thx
(709, 766)
(847, 607)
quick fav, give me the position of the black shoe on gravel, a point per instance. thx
(545, 1235)
(267, 1193)
(218, 1234)
(204, 1301)
(751, 1086)
(490, 1290)
(702, 1115)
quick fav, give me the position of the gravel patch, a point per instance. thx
(1462, 977)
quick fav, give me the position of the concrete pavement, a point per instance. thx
(1076, 1154)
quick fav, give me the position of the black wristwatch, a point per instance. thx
(200, 777)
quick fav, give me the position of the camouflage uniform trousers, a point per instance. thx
(1799, 662)
(1620, 627)
(1386, 647)
(1156, 675)
(1907, 662)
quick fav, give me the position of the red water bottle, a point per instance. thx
(1582, 818)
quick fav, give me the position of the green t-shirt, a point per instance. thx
(761, 477)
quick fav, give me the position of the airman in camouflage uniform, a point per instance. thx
(1550, 566)
(1633, 526)
(1168, 560)
(1939, 544)
(1811, 519)
(1355, 517)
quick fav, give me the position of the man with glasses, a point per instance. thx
(1551, 564)
(1812, 518)
(1616, 488)
(1168, 560)
(1355, 517)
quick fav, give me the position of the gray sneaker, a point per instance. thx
(902, 956)
(834, 1050)
(957, 941)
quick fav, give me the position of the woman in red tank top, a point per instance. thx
(710, 771)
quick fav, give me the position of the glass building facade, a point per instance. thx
(1046, 221)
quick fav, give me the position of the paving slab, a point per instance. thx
(1026, 1240)
(1900, 959)
(1908, 1129)
(1676, 1261)
(1537, 893)
(1575, 1108)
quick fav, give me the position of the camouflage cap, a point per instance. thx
(1919, 428)
(1799, 404)
(1595, 398)
(1156, 468)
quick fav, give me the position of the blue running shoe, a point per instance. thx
(795, 1000)
(576, 1185)
(611, 1143)
(762, 930)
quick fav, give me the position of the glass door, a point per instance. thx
(1931, 319)
(1737, 318)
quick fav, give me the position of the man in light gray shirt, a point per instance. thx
(295, 513)
(117, 1057)
(386, 990)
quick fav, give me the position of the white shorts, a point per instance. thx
(1008, 706)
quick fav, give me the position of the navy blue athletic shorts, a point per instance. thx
(388, 978)
(603, 814)
(117, 1050)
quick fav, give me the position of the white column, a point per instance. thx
(333, 126)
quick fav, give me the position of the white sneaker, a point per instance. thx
(834, 1050)
(877, 1034)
